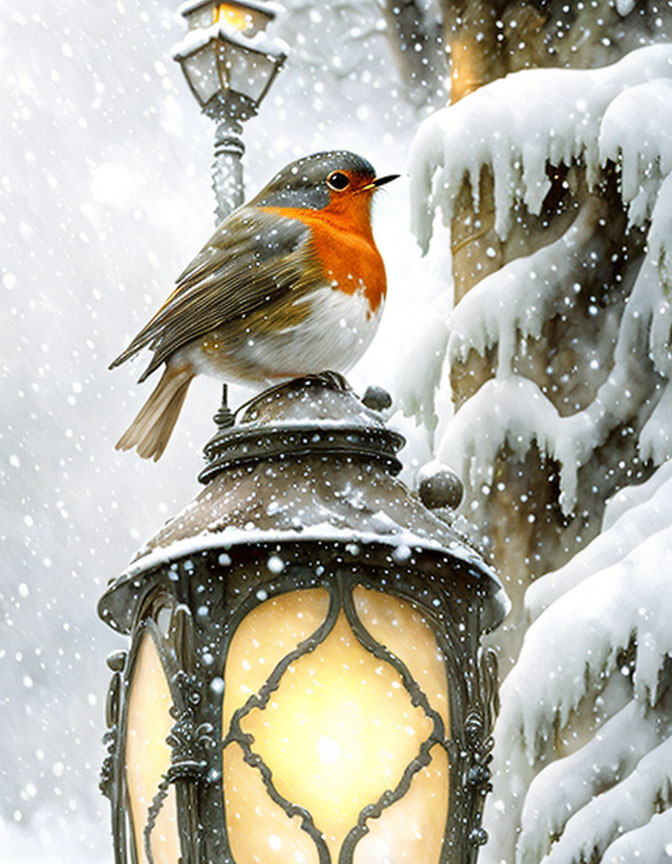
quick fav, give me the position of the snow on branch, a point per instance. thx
(611, 598)
(650, 511)
(636, 134)
(654, 837)
(580, 637)
(626, 806)
(513, 303)
(566, 786)
(508, 127)
(513, 410)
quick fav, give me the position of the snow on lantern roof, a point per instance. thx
(271, 9)
(342, 498)
(196, 39)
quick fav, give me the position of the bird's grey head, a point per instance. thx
(311, 180)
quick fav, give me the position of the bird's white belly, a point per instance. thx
(333, 336)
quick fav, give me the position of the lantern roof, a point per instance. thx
(307, 464)
(267, 8)
(196, 39)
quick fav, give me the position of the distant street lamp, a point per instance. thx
(229, 63)
(305, 680)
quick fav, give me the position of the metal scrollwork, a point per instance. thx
(478, 725)
(116, 663)
(107, 768)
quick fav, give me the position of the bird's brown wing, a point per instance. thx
(254, 258)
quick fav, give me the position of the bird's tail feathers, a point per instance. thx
(140, 341)
(152, 427)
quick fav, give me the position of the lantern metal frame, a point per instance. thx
(212, 584)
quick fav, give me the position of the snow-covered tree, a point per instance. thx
(556, 187)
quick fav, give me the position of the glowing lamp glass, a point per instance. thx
(246, 19)
(339, 731)
(148, 755)
(202, 72)
(221, 66)
(245, 71)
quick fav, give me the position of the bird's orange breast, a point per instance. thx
(343, 242)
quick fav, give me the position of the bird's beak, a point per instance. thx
(380, 181)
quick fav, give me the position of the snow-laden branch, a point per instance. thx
(636, 134)
(579, 638)
(624, 807)
(516, 126)
(655, 837)
(512, 304)
(613, 596)
(514, 410)
(567, 785)
(649, 512)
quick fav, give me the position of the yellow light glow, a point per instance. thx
(403, 629)
(148, 755)
(264, 637)
(236, 17)
(337, 733)
(258, 829)
(411, 830)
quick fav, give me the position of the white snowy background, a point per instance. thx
(105, 195)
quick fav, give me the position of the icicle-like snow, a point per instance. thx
(516, 412)
(636, 134)
(649, 512)
(513, 303)
(654, 840)
(564, 787)
(513, 411)
(505, 126)
(624, 807)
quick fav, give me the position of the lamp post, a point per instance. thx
(305, 680)
(229, 62)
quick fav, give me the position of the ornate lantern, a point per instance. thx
(230, 63)
(305, 681)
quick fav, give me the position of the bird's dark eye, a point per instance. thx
(338, 180)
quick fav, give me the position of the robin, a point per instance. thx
(290, 283)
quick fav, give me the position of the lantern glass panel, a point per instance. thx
(278, 625)
(403, 628)
(411, 830)
(245, 71)
(201, 69)
(341, 727)
(148, 755)
(258, 829)
(200, 17)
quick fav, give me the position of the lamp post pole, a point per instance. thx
(227, 169)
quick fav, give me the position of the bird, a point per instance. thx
(290, 283)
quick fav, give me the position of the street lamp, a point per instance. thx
(229, 62)
(305, 681)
